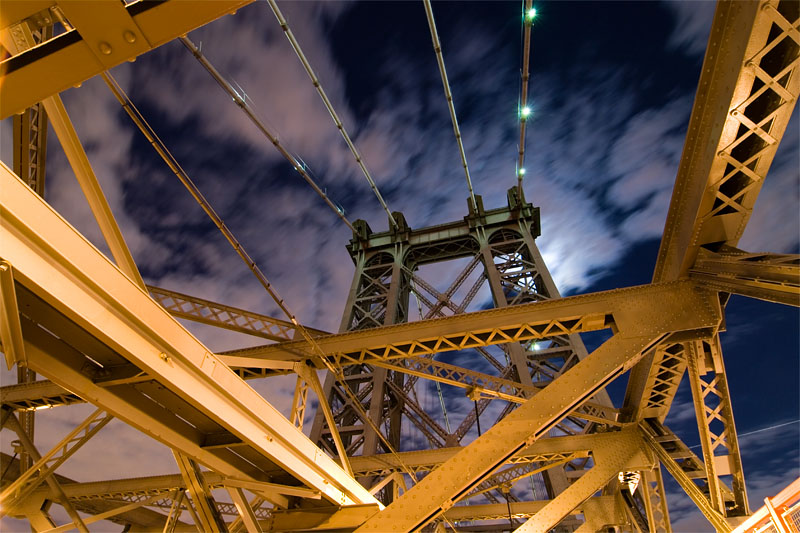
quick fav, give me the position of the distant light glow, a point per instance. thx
(525, 112)
(522, 172)
(531, 14)
(536, 347)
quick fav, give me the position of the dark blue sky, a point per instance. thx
(612, 84)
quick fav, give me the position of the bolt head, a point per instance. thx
(105, 48)
(129, 36)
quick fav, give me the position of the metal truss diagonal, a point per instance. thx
(49, 462)
(655, 500)
(203, 501)
(52, 482)
(653, 435)
(225, 316)
(436, 492)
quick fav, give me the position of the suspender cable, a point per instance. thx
(173, 164)
(298, 166)
(524, 111)
(437, 47)
(336, 120)
(162, 150)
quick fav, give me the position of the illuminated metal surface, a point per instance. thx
(170, 387)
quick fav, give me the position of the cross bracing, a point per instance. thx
(89, 326)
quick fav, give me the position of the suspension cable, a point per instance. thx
(162, 150)
(242, 103)
(336, 120)
(437, 47)
(529, 13)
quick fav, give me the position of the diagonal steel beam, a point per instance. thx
(46, 464)
(55, 486)
(745, 97)
(641, 325)
(225, 316)
(91, 292)
(203, 501)
(716, 518)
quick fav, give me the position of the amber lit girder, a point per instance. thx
(538, 320)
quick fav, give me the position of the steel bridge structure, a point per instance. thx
(554, 453)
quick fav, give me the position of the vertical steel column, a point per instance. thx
(30, 156)
(715, 423)
(655, 501)
(378, 296)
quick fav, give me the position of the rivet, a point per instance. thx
(129, 36)
(105, 48)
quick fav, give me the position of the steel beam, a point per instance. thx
(715, 517)
(716, 426)
(245, 511)
(770, 277)
(203, 501)
(69, 274)
(745, 97)
(46, 464)
(104, 35)
(655, 500)
(10, 329)
(524, 322)
(55, 486)
(626, 454)
(640, 326)
(224, 316)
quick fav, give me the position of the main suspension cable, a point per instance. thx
(164, 152)
(529, 13)
(437, 47)
(336, 120)
(242, 103)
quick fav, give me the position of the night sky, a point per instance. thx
(612, 85)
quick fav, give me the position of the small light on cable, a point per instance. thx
(525, 112)
(531, 14)
(522, 172)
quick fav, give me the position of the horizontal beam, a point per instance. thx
(105, 34)
(57, 264)
(771, 277)
(533, 321)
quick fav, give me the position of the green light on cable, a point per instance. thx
(531, 14)
(525, 112)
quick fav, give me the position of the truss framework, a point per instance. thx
(746, 94)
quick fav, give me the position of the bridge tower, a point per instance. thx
(501, 248)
